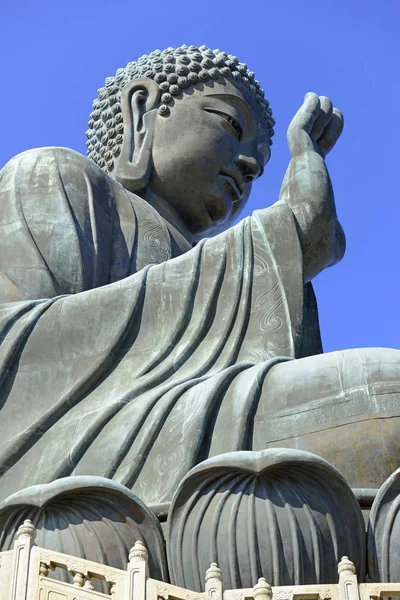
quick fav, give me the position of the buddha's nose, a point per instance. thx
(249, 167)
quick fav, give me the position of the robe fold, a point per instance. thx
(123, 352)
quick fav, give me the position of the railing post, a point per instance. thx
(22, 550)
(138, 572)
(214, 582)
(348, 584)
(262, 590)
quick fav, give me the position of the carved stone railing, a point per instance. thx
(26, 574)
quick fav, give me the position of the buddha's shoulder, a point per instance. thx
(48, 157)
(51, 170)
(38, 170)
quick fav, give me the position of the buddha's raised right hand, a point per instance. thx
(307, 187)
(316, 126)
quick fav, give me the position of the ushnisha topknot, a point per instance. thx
(174, 70)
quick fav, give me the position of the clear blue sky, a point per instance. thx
(55, 54)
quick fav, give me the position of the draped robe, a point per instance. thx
(125, 353)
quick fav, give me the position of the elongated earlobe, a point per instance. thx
(138, 99)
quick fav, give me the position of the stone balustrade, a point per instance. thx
(26, 574)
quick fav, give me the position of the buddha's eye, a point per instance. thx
(234, 124)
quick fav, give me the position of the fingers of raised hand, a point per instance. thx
(308, 112)
(331, 133)
(322, 119)
(316, 126)
(302, 123)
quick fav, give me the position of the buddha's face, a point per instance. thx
(207, 153)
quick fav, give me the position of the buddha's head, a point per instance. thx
(191, 125)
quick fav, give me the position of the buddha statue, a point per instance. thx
(142, 330)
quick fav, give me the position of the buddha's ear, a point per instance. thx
(138, 99)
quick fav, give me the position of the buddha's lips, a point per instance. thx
(238, 192)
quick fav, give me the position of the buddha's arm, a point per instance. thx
(307, 187)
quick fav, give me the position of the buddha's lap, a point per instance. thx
(344, 406)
